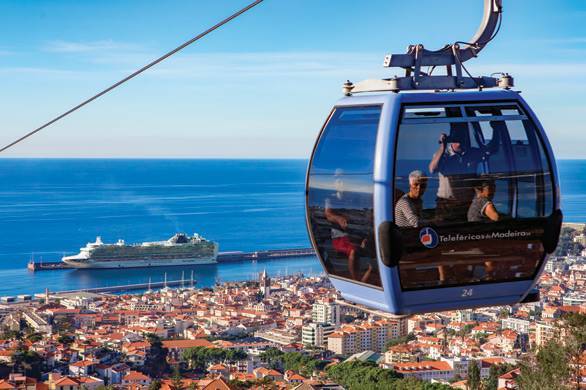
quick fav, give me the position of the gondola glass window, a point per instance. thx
(486, 180)
(340, 197)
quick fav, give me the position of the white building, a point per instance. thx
(326, 313)
(574, 299)
(426, 370)
(517, 324)
(462, 316)
(36, 322)
(370, 336)
(279, 336)
(580, 239)
(316, 334)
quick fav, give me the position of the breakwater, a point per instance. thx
(223, 257)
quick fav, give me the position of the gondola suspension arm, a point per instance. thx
(451, 56)
(417, 55)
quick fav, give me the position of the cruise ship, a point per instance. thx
(178, 250)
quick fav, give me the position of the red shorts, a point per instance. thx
(343, 245)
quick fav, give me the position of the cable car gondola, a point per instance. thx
(422, 201)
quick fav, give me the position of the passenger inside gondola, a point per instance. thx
(456, 163)
(482, 208)
(409, 207)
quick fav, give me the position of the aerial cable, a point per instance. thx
(148, 66)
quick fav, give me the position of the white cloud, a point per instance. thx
(553, 70)
(88, 47)
(269, 64)
(556, 41)
(39, 71)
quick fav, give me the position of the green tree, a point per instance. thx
(548, 369)
(362, 375)
(473, 375)
(396, 341)
(198, 358)
(155, 364)
(556, 364)
(267, 383)
(34, 337)
(240, 385)
(302, 363)
(491, 383)
(65, 339)
(9, 334)
(29, 363)
(503, 313)
(193, 358)
(573, 328)
(177, 380)
(155, 385)
(235, 355)
(273, 357)
(64, 325)
(466, 330)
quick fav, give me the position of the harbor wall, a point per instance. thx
(223, 257)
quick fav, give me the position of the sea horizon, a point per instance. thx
(53, 206)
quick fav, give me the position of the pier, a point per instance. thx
(223, 257)
(149, 286)
(134, 287)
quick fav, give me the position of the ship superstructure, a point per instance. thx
(177, 250)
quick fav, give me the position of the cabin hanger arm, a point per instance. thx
(451, 57)
(452, 54)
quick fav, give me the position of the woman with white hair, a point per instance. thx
(409, 208)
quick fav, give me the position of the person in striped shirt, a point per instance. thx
(408, 210)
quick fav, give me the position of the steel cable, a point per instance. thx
(144, 68)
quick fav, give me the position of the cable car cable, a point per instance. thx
(136, 73)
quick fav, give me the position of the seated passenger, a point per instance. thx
(482, 208)
(409, 208)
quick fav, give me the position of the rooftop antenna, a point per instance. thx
(451, 56)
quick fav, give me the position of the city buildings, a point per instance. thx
(89, 340)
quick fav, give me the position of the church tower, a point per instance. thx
(264, 283)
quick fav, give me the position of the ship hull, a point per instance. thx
(144, 263)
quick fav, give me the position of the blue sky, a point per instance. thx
(263, 85)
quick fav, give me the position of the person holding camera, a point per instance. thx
(456, 164)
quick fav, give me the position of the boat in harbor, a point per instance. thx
(179, 250)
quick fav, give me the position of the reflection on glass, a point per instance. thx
(340, 197)
(487, 180)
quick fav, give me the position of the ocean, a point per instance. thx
(52, 207)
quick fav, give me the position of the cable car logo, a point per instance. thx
(428, 238)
